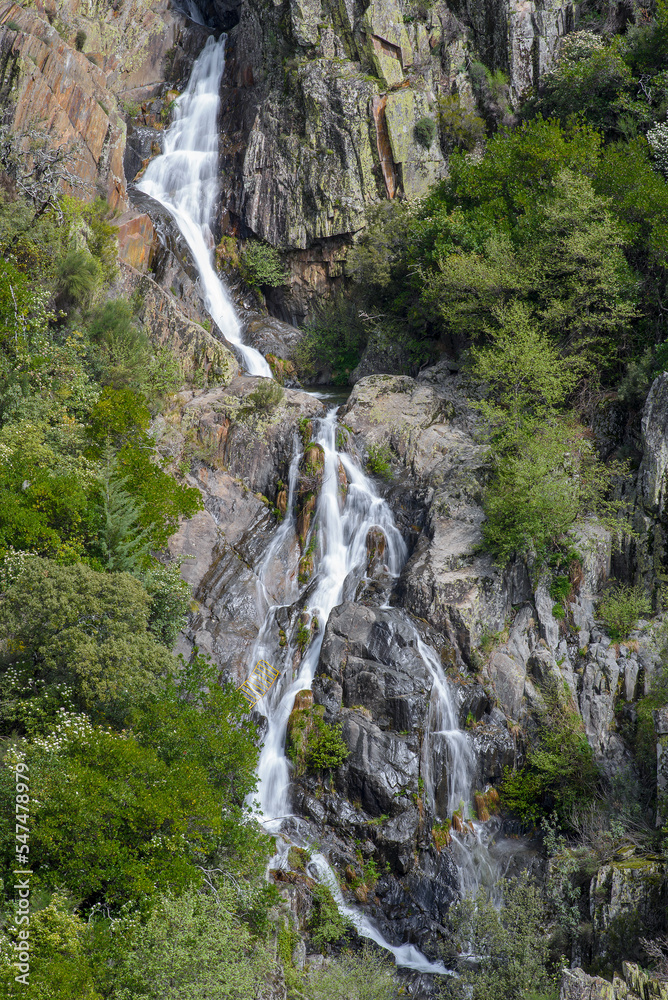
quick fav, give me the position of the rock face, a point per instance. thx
(66, 69)
(236, 455)
(321, 107)
(205, 361)
(635, 985)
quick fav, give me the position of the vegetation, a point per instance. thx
(261, 265)
(560, 772)
(379, 459)
(509, 942)
(424, 131)
(363, 976)
(312, 744)
(620, 609)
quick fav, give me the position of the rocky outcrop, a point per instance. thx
(322, 103)
(430, 427)
(204, 360)
(634, 984)
(68, 71)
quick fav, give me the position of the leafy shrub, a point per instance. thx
(379, 459)
(261, 264)
(13, 26)
(327, 926)
(80, 40)
(509, 942)
(78, 276)
(333, 340)
(311, 743)
(364, 976)
(620, 608)
(131, 108)
(325, 747)
(424, 131)
(461, 128)
(266, 396)
(124, 352)
(560, 772)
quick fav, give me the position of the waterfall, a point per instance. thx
(342, 524)
(185, 181)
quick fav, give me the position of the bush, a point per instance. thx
(266, 396)
(261, 264)
(560, 772)
(461, 128)
(80, 40)
(333, 340)
(327, 925)
(509, 942)
(311, 743)
(363, 976)
(620, 609)
(13, 26)
(77, 278)
(378, 459)
(424, 131)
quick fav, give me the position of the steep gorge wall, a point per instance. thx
(321, 103)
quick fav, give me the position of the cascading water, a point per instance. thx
(184, 180)
(342, 527)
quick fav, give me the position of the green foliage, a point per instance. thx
(461, 128)
(13, 26)
(325, 747)
(540, 489)
(424, 132)
(80, 40)
(312, 744)
(261, 265)
(327, 926)
(379, 458)
(266, 396)
(89, 631)
(560, 772)
(193, 945)
(124, 352)
(620, 608)
(354, 976)
(333, 341)
(509, 942)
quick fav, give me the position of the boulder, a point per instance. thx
(577, 985)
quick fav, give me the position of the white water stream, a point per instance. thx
(185, 180)
(342, 524)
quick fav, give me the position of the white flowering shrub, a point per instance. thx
(579, 45)
(657, 138)
(71, 727)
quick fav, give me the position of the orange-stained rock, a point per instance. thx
(55, 89)
(136, 240)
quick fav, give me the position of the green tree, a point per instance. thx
(364, 976)
(521, 369)
(69, 625)
(193, 945)
(111, 821)
(509, 942)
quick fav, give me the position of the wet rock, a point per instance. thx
(372, 655)
(494, 749)
(136, 240)
(269, 335)
(255, 445)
